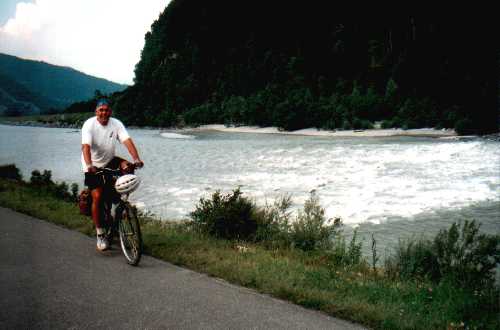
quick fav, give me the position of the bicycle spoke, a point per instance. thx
(130, 236)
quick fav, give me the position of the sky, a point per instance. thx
(102, 38)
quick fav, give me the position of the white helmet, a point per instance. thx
(127, 183)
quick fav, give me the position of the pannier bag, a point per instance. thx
(85, 202)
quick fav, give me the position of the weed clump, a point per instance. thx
(311, 230)
(459, 254)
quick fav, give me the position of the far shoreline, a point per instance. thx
(374, 132)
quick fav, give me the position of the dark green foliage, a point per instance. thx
(465, 256)
(459, 254)
(464, 126)
(232, 216)
(197, 54)
(413, 258)
(74, 191)
(342, 254)
(274, 223)
(43, 181)
(204, 114)
(226, 216)
(10, 171)
(311, 230)
(79, 107)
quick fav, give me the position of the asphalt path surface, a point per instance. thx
(53, 278)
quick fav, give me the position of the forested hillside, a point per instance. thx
(30, 86)
(307, 64)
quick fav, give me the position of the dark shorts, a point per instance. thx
(93, 181)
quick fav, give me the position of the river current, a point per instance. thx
(391, 186)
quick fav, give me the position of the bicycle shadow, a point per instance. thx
(146, 262)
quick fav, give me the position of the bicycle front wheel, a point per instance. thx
(130, 235)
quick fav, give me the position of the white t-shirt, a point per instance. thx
(102, 140)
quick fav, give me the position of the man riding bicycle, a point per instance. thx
(99, 137)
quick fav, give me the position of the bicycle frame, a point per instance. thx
(129, 229)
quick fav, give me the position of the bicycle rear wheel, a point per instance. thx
(130, 235)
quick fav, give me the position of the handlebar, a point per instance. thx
(105, 170)
(117, 172)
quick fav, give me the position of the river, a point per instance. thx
(393, 186)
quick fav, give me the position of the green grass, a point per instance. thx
(306, 278)
(67, 119)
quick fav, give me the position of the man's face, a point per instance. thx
(103, 113)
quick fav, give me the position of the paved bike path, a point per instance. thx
(53, 278)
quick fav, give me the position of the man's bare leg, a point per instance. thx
(96, 203)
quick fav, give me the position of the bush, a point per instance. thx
(311, 230)
(41, 179)
(343, 255)
(74, 191)
(10, 171)
(274, 223)
(459, 254)
(413, 258)
(226, 216)
(465, 256)
(60, 190)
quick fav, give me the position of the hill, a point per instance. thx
(28, 86)
(308, 64)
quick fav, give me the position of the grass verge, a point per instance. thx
(309, 279)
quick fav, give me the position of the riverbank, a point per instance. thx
(76, 120)
(70, 120)
(311, 279)
(376, 132)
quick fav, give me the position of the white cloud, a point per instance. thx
(103, 38)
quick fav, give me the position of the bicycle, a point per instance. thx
(124, 222)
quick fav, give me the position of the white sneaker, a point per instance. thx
(102, 243)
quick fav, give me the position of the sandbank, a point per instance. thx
(420, 132)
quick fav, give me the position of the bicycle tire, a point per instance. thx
(130, 235)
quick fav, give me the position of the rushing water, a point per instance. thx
(390, 186)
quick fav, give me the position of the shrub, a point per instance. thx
(226, 216)
(74, 191)
(311, 230)
(459, 254)
(413, 258)
(10, 171)
(465, 256)
(41, 179)
(60, 191)
(274, 223)
(343, 255)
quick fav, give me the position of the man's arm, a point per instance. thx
(87, 157)
(133, 151)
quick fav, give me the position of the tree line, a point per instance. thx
(308, 65)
